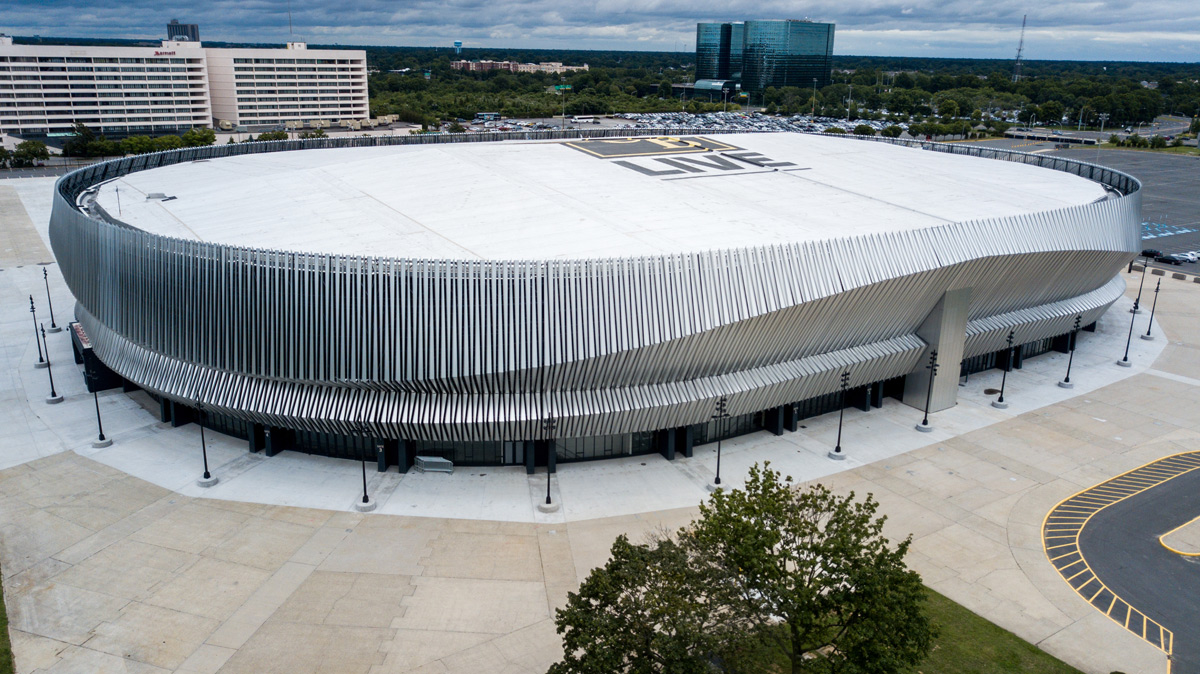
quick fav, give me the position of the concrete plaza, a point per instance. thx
(114, 561)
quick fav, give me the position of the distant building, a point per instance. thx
(514, 67)
(189, 32)
(123, 91)
(761, 54)
(458, 46)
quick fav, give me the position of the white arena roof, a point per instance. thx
(580, 199)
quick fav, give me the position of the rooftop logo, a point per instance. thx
(683, 157)
(164, 53)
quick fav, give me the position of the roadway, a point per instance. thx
(1121, 545)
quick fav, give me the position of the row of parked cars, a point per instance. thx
(1172, 258)
(745, 121)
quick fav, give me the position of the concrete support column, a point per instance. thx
(381, 456)
(944, 330)
(790, 421)
(665, 439)
(272, 441)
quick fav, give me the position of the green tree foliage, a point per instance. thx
(28, 153)
(268, 135)
(642, 612)
(199, 137)
(892, 131)
(5, 157)
(316, 133)
(864, 130)
(769, 578)
(835, 130)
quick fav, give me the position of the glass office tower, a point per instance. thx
(712, 51)
(786, 54)
(737, 41)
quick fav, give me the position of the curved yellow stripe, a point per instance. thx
(1179, 552)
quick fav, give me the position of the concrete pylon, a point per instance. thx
(944, 329)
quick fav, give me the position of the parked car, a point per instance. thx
(1169, 259)
(1152, 252)
(1190, 256)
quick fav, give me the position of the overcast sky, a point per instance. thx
(1118, 30)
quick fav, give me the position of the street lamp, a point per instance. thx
(1124, 362)
(53, 398)
(549, 425)
(46, 280)
(208, 479)
(1066, 382)
(1153, 306)
(366, 504)
(41, 362)
(1141, 283)
(924, 426)
(999, 402)
(100, 441)
(836, 454)
(720, 413)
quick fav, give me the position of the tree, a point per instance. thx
(892, 131)
(769, 578)
(5, 157)
(199, 137)
(272, 135)
(317, 133)
(812, 574)
(28, 153)
(864, 130)
(835, 129)
(642, 612)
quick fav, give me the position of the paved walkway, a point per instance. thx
(113, 561)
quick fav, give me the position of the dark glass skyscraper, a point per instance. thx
(183, 31)
(712, 51)
(786, 54)
(762, 54)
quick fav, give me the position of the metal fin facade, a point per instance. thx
(482, 351)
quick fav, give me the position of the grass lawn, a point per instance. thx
(6, 657)
(971, 645)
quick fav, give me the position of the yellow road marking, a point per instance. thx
(1178, 552)
(1081, 507)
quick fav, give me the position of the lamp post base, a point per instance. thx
(1065, 384)
(53, 400)
(1148, 338)
(924, 428)
(1125, 363)
(1135, 311)
(836, 456)
(999, 405)
(106, 442)
(364, 507)
(548, 507)
(56, 328)
(42, 365)
(207, 482)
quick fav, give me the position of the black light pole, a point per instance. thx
(1137, 300)
(363, 455)
(207, 480)
(720, 413)
(53, 398)
(549, 426)
(1153, 306)
(46, 280)
(42, 362)
(836, 454)
(1124, 362)
(100, 441)
(362, 435)
(924, 426)
(1066, 382)
(999, 402)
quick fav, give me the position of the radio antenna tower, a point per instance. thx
(1020, 48)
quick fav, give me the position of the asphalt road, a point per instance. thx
(1121, 545)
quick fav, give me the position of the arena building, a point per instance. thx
(556, 298)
